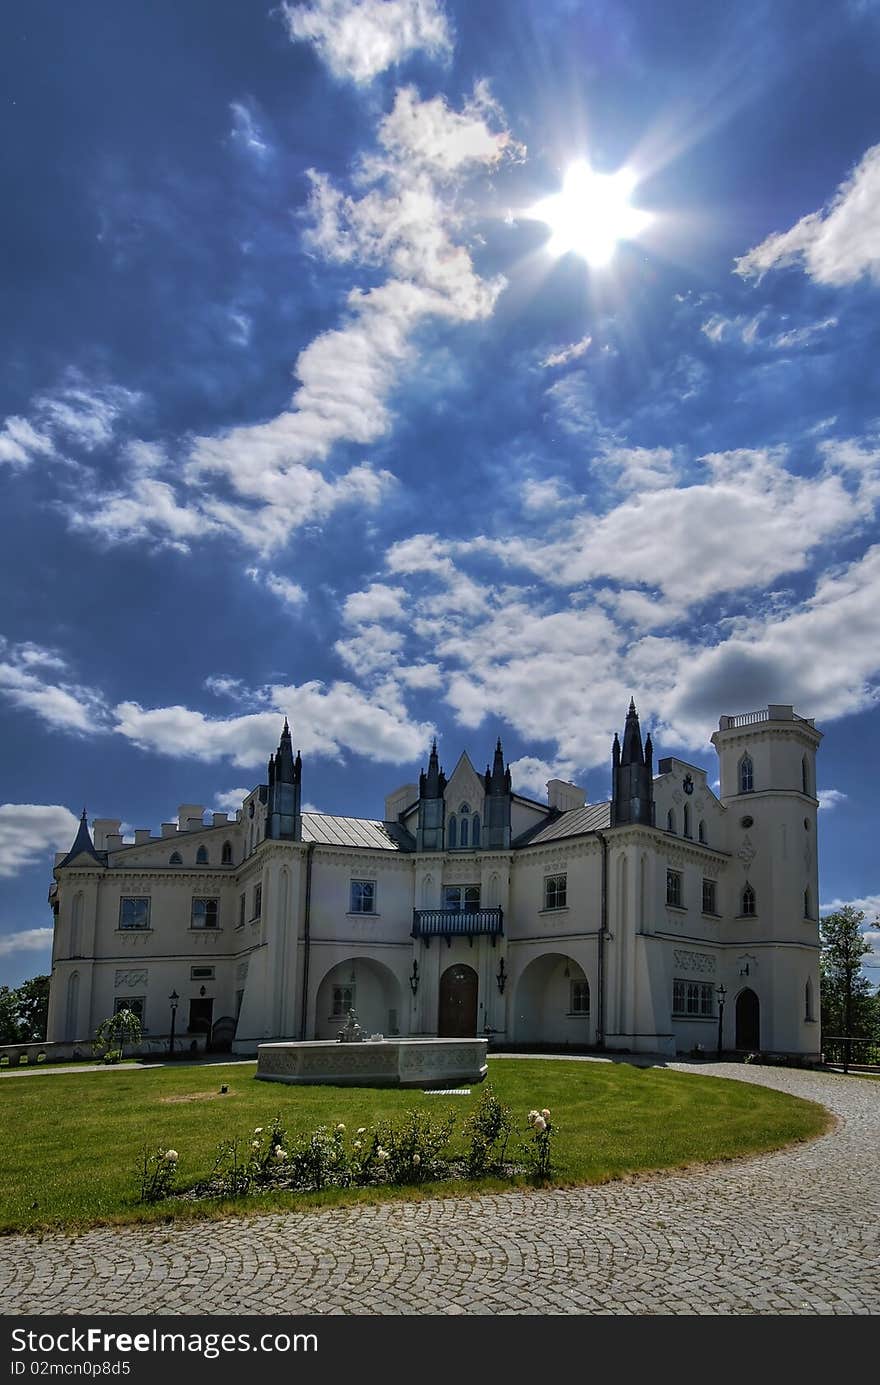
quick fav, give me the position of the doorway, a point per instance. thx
(748, 1021)
(201, 1014)
(458, 1003)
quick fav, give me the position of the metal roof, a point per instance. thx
(327, 830)
(591, 818)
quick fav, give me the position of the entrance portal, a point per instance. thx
(458, 1003)
(748, 1020)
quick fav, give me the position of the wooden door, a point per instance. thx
(748, 1021)
(458, 1003)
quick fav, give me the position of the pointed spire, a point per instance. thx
(632, 738)
(432, 784)
(615, 752)
(649, 753)
(283, 771)
(497, 782)
(83, 844)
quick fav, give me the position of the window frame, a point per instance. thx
(552, 887)
(576, 984)
(463, 904)
(693, 1000)
(339, 1008)
(136, 1003)
(205, 927)
(746, 774)
(674, 888)
(135, 927)
(356, 902)
(258, 901)
(750, 898)
(710, 897)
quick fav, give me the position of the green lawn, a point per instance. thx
(72, 1143)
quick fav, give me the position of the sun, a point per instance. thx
(591, 214)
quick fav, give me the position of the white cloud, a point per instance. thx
(325, 719)
(836, 245)
(82, 414)
(641, 468)
(542, 495)
(358, 39)
(231, 800)
(64, 705)
(290, 594)
(801, 336)
(20, 442)
(830, 798)
(377, 602)
(246, 133)
(27, 940)
(30, 831)
(530, 775)
(564, 354)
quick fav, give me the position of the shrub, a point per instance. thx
(112, 1034)
(537, 1150)
(488, 1132)
(416, 1150)
(158, 1172)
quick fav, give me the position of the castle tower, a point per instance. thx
(496, 806)
(283, 816)
(768, 785)
(432, 786)
(632, 775)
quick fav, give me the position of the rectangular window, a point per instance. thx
(673, 888)
(580, 998)
(258, 901)
(134, 911)
(709, 897)
(201, 973)
(242, 905)
(205, 913)
(135, 1003)
(343, 1001)
(363, 897)
(462, 897)
(693, 998)
(555, 891)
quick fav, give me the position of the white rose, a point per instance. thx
(546, 1114)
(357, 1144)
(171, 1156)
(361, 1130)
(539, 1123)
(381, 1154)
(259, 1130)
(417, 1158)
(340, 1128)
(280, 1153)
(255, 1144)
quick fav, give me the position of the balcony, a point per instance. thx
(457, 923)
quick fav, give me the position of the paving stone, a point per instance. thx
(793, 1232)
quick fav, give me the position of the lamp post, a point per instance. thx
(721, 993)
(172, 1000)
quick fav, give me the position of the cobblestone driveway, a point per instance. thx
(791, 1232)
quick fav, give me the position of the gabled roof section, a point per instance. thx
(83, 846)
(594, 817)
(327, 830)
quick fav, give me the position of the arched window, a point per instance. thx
(452, 834)
(748, 902)
(746, 775)
(463, 830)
(76, 926)
(175, 859)
(670, 820)
(687, 820)
(71, 1018)
(226, 857)
(702, 830)
(808, 1000)
(805, 775)
(475, 830)
(202, 856)
(807, 914)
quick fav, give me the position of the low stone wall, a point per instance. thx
(424, 1063)
(81, 1051)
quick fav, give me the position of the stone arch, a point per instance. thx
(202, 856)
(546, 990)
(372, 986)
(71, 1017)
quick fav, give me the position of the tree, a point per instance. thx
(112, 1034)
(849, 1005)
(24, 1011)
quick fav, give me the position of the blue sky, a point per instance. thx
(300, 415)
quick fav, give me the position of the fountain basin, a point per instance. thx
(425, 1063)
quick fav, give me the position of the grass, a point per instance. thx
(72, 1143)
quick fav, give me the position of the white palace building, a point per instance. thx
(469, 909)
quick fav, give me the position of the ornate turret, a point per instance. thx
(632, 775)
(496, 809)
(432, 786)
(284, 819)
(82, 844)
